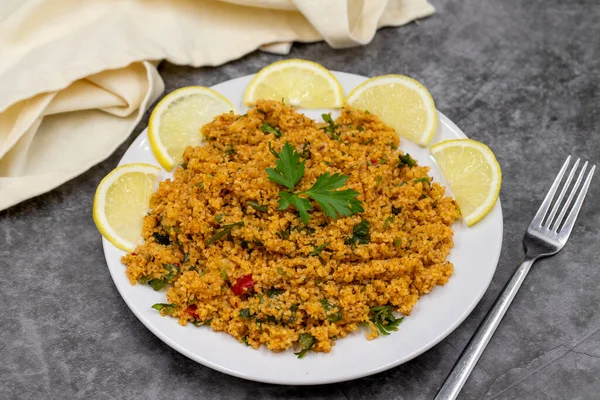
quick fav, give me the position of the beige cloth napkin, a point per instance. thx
(77, 76)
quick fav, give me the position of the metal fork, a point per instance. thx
(545, 236)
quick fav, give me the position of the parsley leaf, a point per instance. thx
(256, 206)
(384, 320)
(306, 341)
(334, 203)
(273, 292)
(360, 233)
(330, 129)
(318, 249)
(407, 160)
(169, 308)
(161, 239)
(289, 169)
(223, 231)
(267, 128)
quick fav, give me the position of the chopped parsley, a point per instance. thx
(423, 179)
(219, 217)
(360, 233)
(388, 221)
(396, 210)
(159, 283)
(406, 160)
(273, 292)
(245, 313)
(397, 243)
(331, 128)
(256, 206)
(384, 319)
(230, 151)
(334, 203)
(161, 238)
(318, 249)
(224, 274)
(223, 231)
(331, 317)
(267, 128)
(306, 341)
(169, 308)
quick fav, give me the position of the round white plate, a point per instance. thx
(435, 315)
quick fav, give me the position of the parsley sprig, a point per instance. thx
(288, 172)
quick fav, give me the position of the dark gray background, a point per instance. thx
(521, 76)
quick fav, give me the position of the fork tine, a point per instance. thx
(567, 204)
(539, 216)
(565, 186)
(568, 226)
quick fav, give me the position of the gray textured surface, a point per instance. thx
(521, 76)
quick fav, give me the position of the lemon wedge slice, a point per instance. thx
(400, 102)
(121, 202)
(473, 174)
(300, 83)
(176, 121)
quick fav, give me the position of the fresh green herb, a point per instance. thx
(384, 319)
(367, 112)
(259, 324)
(260, 298)
(383, 160)
(257, 243)
(273, 292)
(293, 309)
(161, 238)
(223, 231)
(245, 313)
(306, 341)
(184, 165)
(318, 249)
(219, 217)
(423, 179)
(305, 151)
(281, 272)
(260, 111)
(329, 164)
(266, 128)
(406, 160)
(397, 243)
(200, 184)
(331, 128)
(306, 229)
(435, 203)
(325, 304)
(334, 203)
(335, 317)
(169, 308)
(275, 154)
(159, 283)
(186, 257)
(245, 340)
(285, 233)
(379, 178)
(396, 210)
(360, 233)
(423, 196)
(256, 206)
(230, 151)
(224, 275)
(388, 221)
(369, 141)
(400, 184)
(360, 128)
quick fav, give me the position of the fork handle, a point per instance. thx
(470, 355)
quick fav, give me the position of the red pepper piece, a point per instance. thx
(191, 309)
(243, 285)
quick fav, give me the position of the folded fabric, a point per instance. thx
(76, 77)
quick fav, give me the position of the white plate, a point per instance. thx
(435, 315)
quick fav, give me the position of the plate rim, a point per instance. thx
(443, 119)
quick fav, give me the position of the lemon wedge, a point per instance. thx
(400, 102)
(300, 83)
(176, 121)
(121, 202)
(473, 174)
